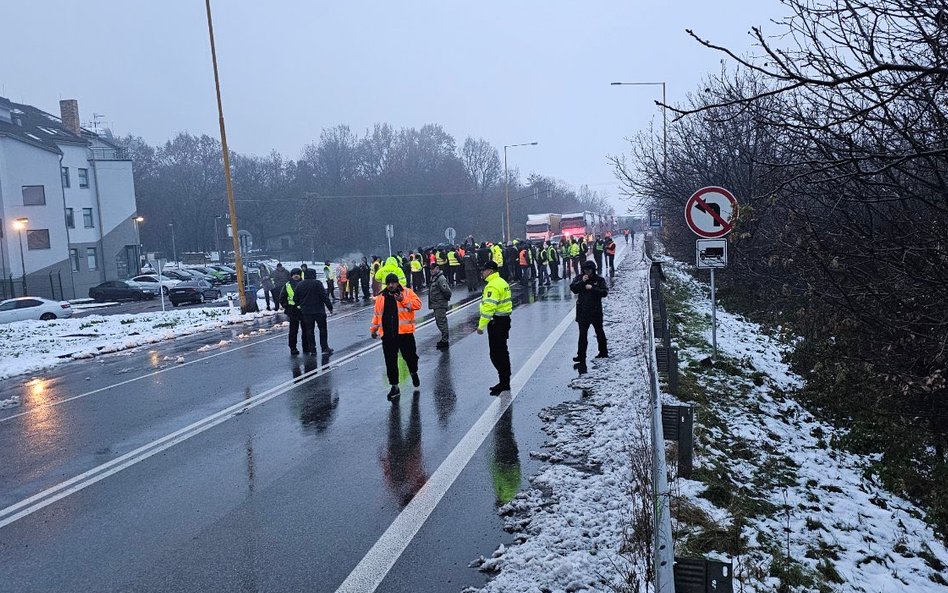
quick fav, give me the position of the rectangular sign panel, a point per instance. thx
(711, 253)
(654, 219)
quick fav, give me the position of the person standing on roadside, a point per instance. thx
(589, 288)
(280, 277)
(266, 284)
(599, 248)
(394, 321)
(417, 272)
(439, 298)
(611, 256)
(364, 278)
(496, 307)
(313, 301)
(330, 280)
(288, 300)
(373, 273)
(343, 281)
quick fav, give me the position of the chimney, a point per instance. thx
(69, 114)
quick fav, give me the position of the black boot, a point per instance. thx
(602, 355)
(415, 380)
(581, 367)
(394, 393)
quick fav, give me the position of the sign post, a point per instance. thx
(711, 213)
(654, 219)
(389, 233)
(450, 234)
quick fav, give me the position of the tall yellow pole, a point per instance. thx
(231, 206)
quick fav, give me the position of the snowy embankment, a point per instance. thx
(770, 491)
(30, 346)
(573, 525)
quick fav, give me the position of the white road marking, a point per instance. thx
(376, 564)
(160, 371)
(42, 499)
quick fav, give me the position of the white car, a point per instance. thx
(23, 308)
(166, 283)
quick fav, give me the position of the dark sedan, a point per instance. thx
(193, 291)
(117, 290)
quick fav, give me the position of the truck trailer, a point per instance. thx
(541, 227)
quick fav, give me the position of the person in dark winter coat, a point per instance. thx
(288, 300)
(313, 301)
(280, 277)
(364, 278)
(590, 288)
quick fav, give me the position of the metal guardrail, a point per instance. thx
(663, 552)
(109, 154)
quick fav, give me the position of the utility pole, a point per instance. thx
(174, 247)
(231, 206)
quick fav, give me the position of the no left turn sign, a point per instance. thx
(711, 212)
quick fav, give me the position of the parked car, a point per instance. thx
(120, 290)
(152, 279)
(229, 272)
(219, 277)
(182, 274)
(193, 291)
(22, 308)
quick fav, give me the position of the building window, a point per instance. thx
(87, 218)
(34, 195)
(37, 239)
(83, 178)
(70, 219)
(91, 259)
(74, 259)
(65, 173)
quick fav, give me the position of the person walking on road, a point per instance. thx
(496, 307)
(590, 289)
(438, 299)
(611, 256)
(280, 277)
(313, 301)
(599, 248)
(292, 310)
(394, 321)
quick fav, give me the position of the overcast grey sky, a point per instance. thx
(510, 71)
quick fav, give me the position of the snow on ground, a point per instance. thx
(29, 346)
(765, 468)
(572, 525)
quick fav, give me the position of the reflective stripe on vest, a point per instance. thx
(290, 294)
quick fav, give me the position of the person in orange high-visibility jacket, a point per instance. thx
(394, 321)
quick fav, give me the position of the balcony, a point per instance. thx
(109, 154)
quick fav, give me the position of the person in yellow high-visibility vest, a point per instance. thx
(417, 272)
(496, 307)
(454, 266)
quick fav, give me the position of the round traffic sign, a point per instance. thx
(711, 212)
(450, 233)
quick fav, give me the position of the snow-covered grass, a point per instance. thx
(769, 489)
(579, 525)
(30, 346)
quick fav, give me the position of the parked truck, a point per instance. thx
(541, 227)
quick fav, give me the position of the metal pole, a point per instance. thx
(389, 244)
(138, 238)
(217, 241)
(664, 134)
(714, 317)
(161, 288)
(506, 197)
(174, 247)
(231, 205)
(22, 260)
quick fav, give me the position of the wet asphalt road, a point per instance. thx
(284, 496)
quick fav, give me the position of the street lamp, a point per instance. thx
(138, 236)
(19, 224)
(174, 247)
(664, 119)
(507, 183)
(217, 240)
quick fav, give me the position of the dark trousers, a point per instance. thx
(583, 339)
(611, 260)
(266, 297)
(498, 331)
(555, 271)
(544, 275)
(598, 256)
(310, 323)
(294, 318)
(576, 263)
(391, 346)
(331, 289)
(365, 288)
(275, 293)
(418, 281)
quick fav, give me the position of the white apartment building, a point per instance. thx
(67, 204)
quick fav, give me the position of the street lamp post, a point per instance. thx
(217, 240)
(664, 119)
(174, 247)
(507, 184)
(19, 224)
(138, 237)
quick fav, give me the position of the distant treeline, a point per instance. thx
(836, 143)
(341, 192)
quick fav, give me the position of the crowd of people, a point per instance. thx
(394, 286)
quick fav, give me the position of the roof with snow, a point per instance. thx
(35, 126)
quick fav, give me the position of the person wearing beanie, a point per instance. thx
(394, 322)
(313, 301)
(589, 288)
(496, 307)
(288, 301)
(439, 297)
